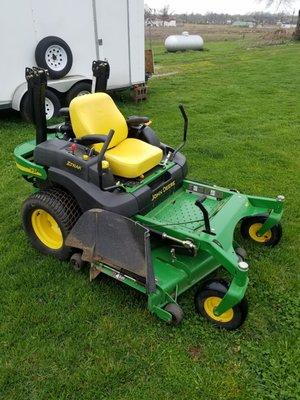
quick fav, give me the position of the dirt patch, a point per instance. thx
(195, 353)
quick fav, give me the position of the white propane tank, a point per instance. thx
(184, 42)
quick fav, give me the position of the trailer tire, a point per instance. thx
(55, 55)
(52, 105)
(79, 89)
(48, 217)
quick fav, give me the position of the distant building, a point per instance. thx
(244, 24)
(159, 22)
(288, 26)
(170, 23)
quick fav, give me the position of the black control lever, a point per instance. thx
(185, 129)
(105, 145)
(205, 215)
(101, 155)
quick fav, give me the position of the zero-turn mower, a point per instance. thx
(110, 195)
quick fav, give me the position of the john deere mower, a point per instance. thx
(109, 195)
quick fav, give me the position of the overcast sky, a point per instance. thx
(219, 6)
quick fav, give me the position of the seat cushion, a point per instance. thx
(132, 158)
(97, 114)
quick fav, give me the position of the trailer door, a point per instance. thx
(113, 40)
(137, 42)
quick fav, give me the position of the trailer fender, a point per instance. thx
(59, 85)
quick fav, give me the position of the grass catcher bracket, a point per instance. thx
(101, 71)
(37, 83)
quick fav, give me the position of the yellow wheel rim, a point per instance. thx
(210, 304)
(46, 229)
(254, 228)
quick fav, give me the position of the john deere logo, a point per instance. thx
(73, 165)
(163, 190)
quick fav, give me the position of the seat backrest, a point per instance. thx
(97, 113)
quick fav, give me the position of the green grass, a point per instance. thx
(62, 337)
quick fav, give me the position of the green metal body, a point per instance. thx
(179, 217)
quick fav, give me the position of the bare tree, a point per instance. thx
(165, 13)
(297, 30)
(277, 3)
(149, 12)
(286, 3)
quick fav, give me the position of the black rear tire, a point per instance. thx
(63, 210)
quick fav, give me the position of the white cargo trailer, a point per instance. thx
(66, 36)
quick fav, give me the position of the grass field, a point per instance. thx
(64, 338)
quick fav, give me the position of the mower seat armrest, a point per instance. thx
(64, 112)
(135, 120)
(89, 140)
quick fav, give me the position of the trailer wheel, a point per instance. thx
(176, 312)
(52, 106)
(207, 299)
(251, 225)
(48, 217)
(79, 89)
(55, 55)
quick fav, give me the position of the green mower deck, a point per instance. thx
(179, 216)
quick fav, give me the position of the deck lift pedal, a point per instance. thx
(110, 195)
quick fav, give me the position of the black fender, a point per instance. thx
(89, 196)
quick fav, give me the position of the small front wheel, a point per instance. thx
(176, 312)
(251, 225)
(209, 296)
(77, 263)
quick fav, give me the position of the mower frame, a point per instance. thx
(191, 224)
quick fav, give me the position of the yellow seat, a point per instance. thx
(97, 114)
(132, 158)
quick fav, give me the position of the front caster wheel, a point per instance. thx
(209, 296)
(176, 312)
(251, 225)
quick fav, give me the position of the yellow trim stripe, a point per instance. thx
(29, 170)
